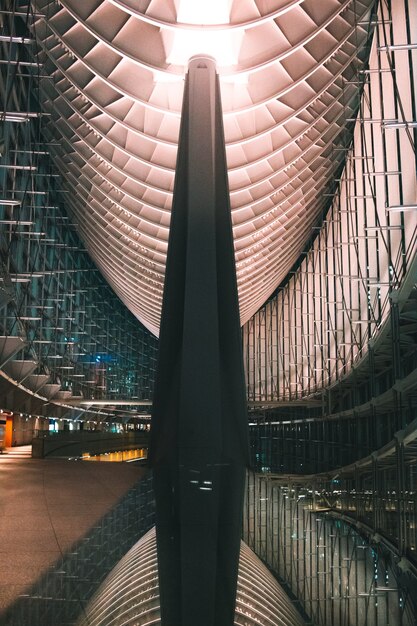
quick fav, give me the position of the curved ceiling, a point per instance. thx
(289, 78)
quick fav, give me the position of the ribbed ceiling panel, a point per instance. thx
(289, 77)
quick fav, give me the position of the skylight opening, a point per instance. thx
(200, 12)
(222, 45)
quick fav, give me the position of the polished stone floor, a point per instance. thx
(62, 523)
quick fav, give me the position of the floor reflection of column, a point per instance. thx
(199, 445)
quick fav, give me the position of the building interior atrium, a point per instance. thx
(319, 115)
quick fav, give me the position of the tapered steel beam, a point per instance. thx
(199, 438)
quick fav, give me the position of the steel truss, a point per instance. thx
(356, 277)
(333, 511)
(342, 570)
(63, 332)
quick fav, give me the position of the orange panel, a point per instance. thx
(9, 432)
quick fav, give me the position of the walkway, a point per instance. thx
(18, 452)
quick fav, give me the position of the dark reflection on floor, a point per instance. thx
(59, 597)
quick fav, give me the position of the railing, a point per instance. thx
(77, 443)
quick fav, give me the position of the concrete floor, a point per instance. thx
(46, 506)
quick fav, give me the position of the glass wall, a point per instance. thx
(63, 331)
(359, 267)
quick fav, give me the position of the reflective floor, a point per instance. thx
(63, 527)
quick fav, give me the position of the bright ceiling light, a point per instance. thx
(200, 12)
(223, 45)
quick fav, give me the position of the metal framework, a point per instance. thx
(63, 331)
(358, 273)
(309, 531)
(331, 367)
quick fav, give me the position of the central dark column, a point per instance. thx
(199, 441)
